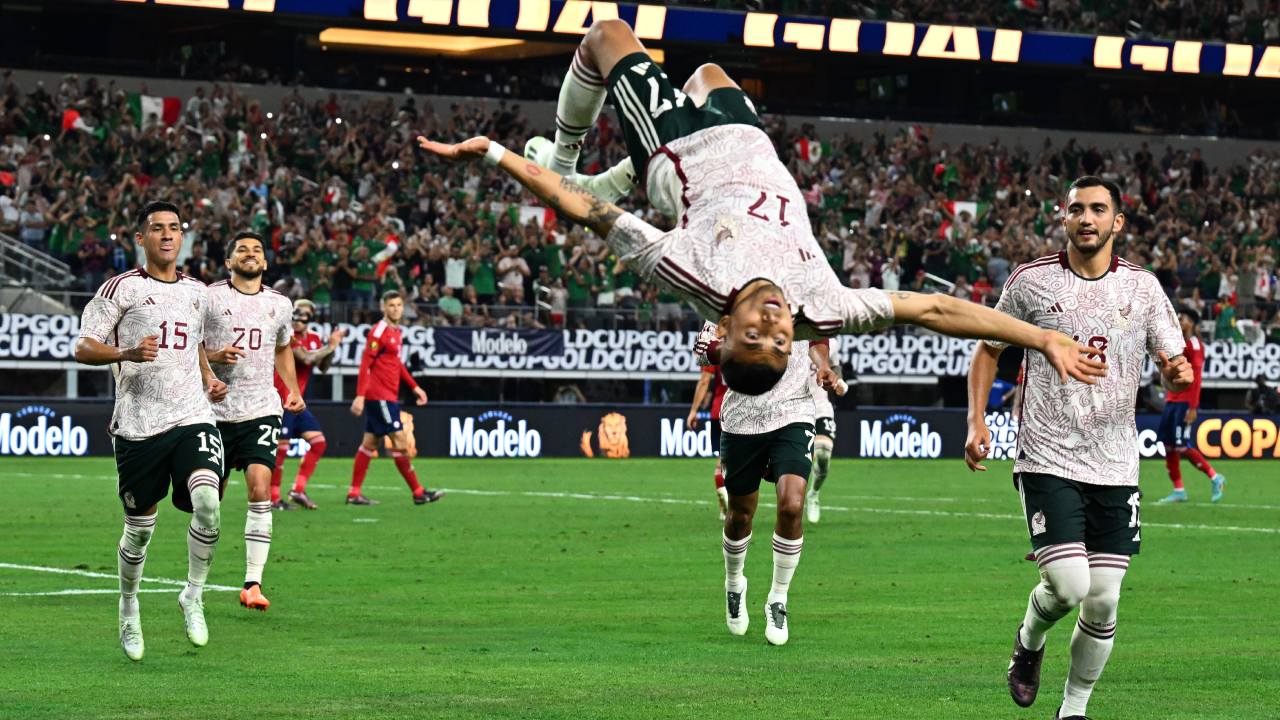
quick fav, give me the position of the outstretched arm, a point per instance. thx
(982, 373)
(960, 318)
(562, 194)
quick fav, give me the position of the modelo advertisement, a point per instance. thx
(51, 428)
(635, 353)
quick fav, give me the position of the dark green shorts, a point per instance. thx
(251, 441)
(826, 426)
(1104, 517)
(147, 468)
(748, 459)
(653, 112)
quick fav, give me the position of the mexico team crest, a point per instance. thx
(1037, 523)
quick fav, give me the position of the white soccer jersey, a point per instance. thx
(160, 395)
(256, 324)
(744, 218)
(786, 402)
(1077, 431)
(821, 396)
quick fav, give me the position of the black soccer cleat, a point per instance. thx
(428, 496)
(1024, 672)
(1057, 716)
(360, 500)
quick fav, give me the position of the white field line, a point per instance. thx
(98, 591)
(837, 508)
(109, 576)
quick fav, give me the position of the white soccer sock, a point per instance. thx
(257, 540)
(735, 556)
(581, 99)
(1095, 631)
(1064, 573)
(786, 556)
(202, 535)
(133, 555)
(611, 184)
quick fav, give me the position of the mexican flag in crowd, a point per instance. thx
(521, 214)
(953, 208)
(812, 151)
(164, 109)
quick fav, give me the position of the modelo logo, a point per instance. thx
(506, 438)
(41, 433)
(1238, 438)
(485, 343)
(880, 440)
(677, 441)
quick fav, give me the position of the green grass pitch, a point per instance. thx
(593, 589)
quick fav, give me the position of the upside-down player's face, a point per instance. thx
(161, 238)
(759, 326)
(393, 310)
(248, 258)
(1090, 220)
(301, 319)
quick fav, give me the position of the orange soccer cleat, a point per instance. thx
(252, 597)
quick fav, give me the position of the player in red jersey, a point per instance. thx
(381, 371)
(710, 381)
(1180, 412)
(309, 352)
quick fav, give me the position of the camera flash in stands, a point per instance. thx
(395, 165)
(113, 236)
(270, 115)
(338, 120)
(186, 226)
(1028, 191)
(47, 138)
(263, 136)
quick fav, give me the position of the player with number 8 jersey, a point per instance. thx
(248, 343)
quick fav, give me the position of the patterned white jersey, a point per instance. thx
(744, 218)
(1077, 431)
(256, 324)
(167, 392)
(786, 402)
(821, 396)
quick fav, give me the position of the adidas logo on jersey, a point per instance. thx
(1054, 308)
(227, 311)
(805, 255)
(149, 301)
(640, 69)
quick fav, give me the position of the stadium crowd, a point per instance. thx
(335, 187)
(1252, 21)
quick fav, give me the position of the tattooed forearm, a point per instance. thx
(571, 186)
(602, 215)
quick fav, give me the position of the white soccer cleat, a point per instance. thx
(722, 499)
(193, 618)
(131, 637)
(812, 509)
(539, 150)
(735, 610)
(775, 617)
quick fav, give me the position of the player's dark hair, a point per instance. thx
(1191, 313)
(750, 378)
(390, 295)
(154, 207)
(244, 235)
(1088, 181)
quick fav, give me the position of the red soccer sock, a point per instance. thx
(1198, 460)
(719, 477)
(1174, 463)
(363, 456)
(406, 471)
(278, 472)
(309, 461)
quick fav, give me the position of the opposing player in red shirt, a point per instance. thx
(711, 381)
(1180, 412)
(381, 371)
(309, 352)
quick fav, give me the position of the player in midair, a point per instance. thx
(1077, 460)
(149, 324)
(743, 253)
(710, 384)
(1180, 412)
(381, 372)
(248, 345)
(309, 352)
(824, 439)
